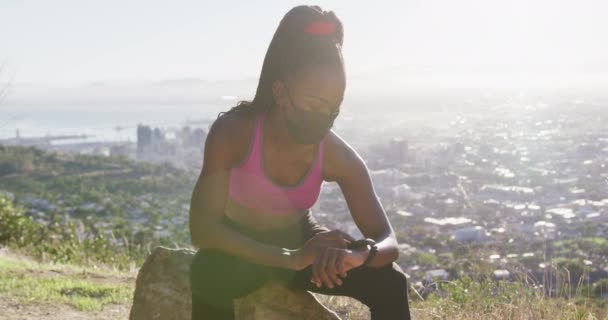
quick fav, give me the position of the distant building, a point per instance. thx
(470, 234)
(144, 139)
(398, 151)
(501, 274)
(438, 274)
(500, 192)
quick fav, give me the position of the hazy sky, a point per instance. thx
(76, 43)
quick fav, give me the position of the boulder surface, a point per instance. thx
(162, 291)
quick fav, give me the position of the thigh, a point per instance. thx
(217, 277)
(361, 283)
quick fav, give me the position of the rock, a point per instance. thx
(162, 291)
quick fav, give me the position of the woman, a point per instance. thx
(264, 163)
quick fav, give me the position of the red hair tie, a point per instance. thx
(321, 27)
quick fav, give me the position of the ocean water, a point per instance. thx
(111, 122)
(362, 118)
(101, 123)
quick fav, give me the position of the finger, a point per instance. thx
(345, 243)
(346, 235)
(340, 264)
(324, 234)
(322, 273)
(334, 234)
(330, 268)
(344, 238)
(337, 243)
(327, 237)
(315, 272)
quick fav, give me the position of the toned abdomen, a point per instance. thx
(259, 221)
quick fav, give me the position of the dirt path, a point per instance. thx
(13, 310)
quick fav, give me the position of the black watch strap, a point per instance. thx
(361, 243)
(372, 253)
(373, 248)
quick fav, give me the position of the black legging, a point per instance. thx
(217, 278)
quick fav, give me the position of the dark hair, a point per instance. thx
(292, 47)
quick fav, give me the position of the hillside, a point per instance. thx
(65, 217)
(123, 203)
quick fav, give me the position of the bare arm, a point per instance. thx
(354, 180)
(207, 205)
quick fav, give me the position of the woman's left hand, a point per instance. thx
(335, 262)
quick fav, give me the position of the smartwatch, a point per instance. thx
(373, 248)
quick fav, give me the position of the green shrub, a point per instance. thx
(15, 227)
(58, 241)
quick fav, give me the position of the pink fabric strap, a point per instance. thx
(252, 188)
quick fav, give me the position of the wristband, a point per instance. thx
(362, 243)
(372, 253)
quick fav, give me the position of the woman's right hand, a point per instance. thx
(316, 246)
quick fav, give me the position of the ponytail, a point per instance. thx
(306, 35)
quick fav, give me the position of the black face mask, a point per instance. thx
(308, 127)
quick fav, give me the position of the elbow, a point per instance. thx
(195, 238)
(394, 248)
(201, 234)
(395, 254)
(197, 233)
(200, 241)
(197, 242)
(390, 247)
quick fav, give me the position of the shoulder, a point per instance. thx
(341, 159)
(229, 137)
(229, 126)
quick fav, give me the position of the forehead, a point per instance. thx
(326, 81)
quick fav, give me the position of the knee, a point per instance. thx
(200, 260)
(393, 278)
(391, 301)
(208, 276)
(216, 276)
(383, 286)
(204, 267)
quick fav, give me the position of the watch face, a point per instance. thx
(357, 244)
(361, 243)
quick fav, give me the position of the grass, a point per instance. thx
(484, 300)
(31, 282)
(9, 261)
(89, 290)
(523, 306)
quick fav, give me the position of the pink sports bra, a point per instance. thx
(250, 187)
